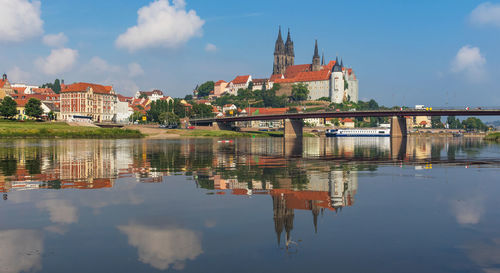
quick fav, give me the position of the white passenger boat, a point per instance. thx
(359, 132)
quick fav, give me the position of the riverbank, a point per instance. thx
(32, 129)
(493, 137)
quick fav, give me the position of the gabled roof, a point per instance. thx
(275, 77)
(150, 93)
(241, 79)
(310, 76)
(259, 81)
(3, 82)
(83, 87)
(219, 82)
(293, 70)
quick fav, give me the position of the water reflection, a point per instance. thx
(312, 178)
(163, 247)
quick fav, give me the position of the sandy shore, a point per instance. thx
(153, 132)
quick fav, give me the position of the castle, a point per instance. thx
(332, 80)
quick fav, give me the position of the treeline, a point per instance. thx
(33, 109)
(170, 112)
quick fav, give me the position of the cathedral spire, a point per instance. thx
(341, 63)
(316, 65)
(316, 54)
(323, 58)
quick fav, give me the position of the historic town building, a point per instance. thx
(284, 54)
(5, 87)
(332, 80)
(86, 100)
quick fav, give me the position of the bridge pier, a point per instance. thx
(221, 125)
(398, 127)
(293, 128)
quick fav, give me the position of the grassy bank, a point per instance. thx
(29, 129)
(222, 133)
(493, 136)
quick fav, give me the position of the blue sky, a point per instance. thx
(403, 52)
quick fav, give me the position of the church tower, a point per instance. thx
(316, 66)
(279, 56)
(289, 51)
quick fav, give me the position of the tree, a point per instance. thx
(188, 97)
(201, 111)
(436, 122)
(56, 86)
(453, 123)
(299, 92)
(51, 115)
(143, 96)
(169, 118)
(33, 108)
(250, 86)
(205, 88)
(473, 123)
(8, 107)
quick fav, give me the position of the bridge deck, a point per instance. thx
(346, 114)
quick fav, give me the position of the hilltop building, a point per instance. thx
(332, 80)
(152, 95)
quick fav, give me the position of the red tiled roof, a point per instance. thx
(347, 120)
(259, 81)
(219, 82)
(275, 77)
(83, 86)
(21, 102)
(266, 111)
(321, 75)
(150, 93)
(293, 70)
(19, 90)
(241, 79)
(43, 90)
(2, 83)
(123, 98)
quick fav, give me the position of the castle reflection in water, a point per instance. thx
(316, 174)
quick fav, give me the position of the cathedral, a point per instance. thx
(331, 80)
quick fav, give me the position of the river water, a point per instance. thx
(250, 205)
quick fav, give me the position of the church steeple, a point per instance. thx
(316, 66)
(279, 55)
(289, 51)
(323, 58)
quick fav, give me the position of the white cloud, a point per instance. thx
(18, 75)
(61, 211)
(470, 61)
(19, 20)
(101, 71)
(135, 69)
(55, 40)
(161, 24)
(486, 14)
(21, 251)
(468, 211)
(59, 61)
(162, 248)
(99, 65)
(210, 48)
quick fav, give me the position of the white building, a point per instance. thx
(152, 95)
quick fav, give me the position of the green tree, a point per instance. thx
(169, 118)
(473, 123)
(56, 86)
(454, 123)
(143, 96)
(205, 88)
(33, 108)
(250, 86)
(8, 107)
(188, 97)
(436, 122)
(201, 110)
(299, 92)
(51, 115)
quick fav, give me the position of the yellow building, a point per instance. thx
(5, 88)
